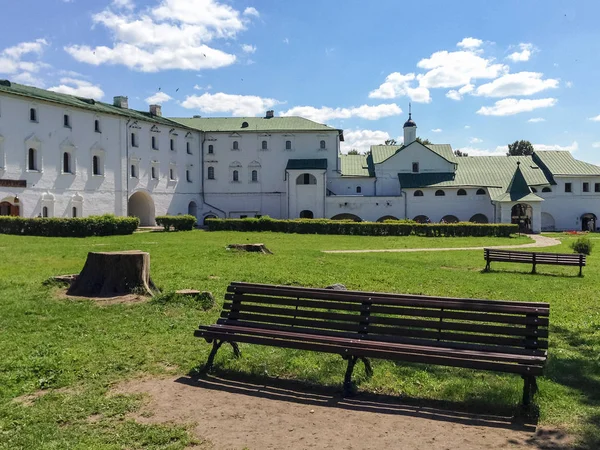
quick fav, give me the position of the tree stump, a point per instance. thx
(111, 274)
(258, 248)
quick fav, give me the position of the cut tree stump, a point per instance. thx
(258, 248)
(111, 274)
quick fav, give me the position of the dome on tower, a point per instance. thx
(409, 123)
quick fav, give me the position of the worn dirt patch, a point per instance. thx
(30, 399)
(104, 301)
(237, 414)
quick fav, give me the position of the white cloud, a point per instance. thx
(569, 84)
(208, 87)
(470, 43)
(80, 88)
(397, 85)
(544, 147)
(467, 127)
(173, 35)
(475, 140)
(236, 105)
(362, 140)
(29, 79)
(286, 41)
(247, 48)
(436, 130)
(510, 106)
(596, 144)
(475, 151)
(124, 4)
(458, 95)
(251, 11)
(536, 120)
(595, 119)
(324, 114)
(524, 54)
(12, 59)
(521, 83)
(158, 99)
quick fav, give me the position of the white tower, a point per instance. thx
(410, 128)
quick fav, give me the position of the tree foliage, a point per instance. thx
(390, 142)
(353, 152)
(520, 148)
(423, 141)
(460, 153)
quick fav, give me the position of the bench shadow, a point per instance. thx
(537, 274)
(474, 414)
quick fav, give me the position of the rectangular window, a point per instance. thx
(172, 174)
(134, 142)
(188, 176)
(415, 167)
(153, 172)
(568, 187)
(97, 126)
(33, 114)
(133, 171)
(67, 121)
(172, 144)
(586, 187)
(188, 148)
(154, 143)
(596, 187)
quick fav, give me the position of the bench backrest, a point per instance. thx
(574, 259)
(487, 325)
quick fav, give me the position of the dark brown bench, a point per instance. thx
(534, 258)
(501, 336)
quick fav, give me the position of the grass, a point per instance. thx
(75, 350)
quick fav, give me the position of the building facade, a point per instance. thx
(65, 156)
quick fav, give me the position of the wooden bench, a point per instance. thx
(501, 336)
(534, 258)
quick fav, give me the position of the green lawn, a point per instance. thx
(76, 349)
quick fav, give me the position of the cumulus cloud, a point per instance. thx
(398, 85)
(325, 113)
(436, 130)
(362, 140)
(470, 43)
(475, 140)
(22, 62)
(510, 106)
(124, 4)
(236, 105)
(247, 48)
(197, 87)
(521, 83)
(173, 35)
(251, 11)
(79, 88)
(158, 99)
(524, 54)
(458, 94)
(596, 144)
(545, 147)
(476, 151)
(595, 119)
(536, 120)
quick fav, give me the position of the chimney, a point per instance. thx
(121, 102)
(270, 114)
(156, 110)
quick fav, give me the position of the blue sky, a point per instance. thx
(479, 74)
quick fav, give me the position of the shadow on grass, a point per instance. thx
(305, 393)
(536, 274)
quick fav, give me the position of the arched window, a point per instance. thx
(450, 219)
(439, 193)
(236, 175)
(188, 176)
(210, 216)
(96, 165)
(322, 145)
(154, 147)
(74, 211)
(188, 148)
(479, 218)
(307, 214)
(254, 176)
(33, 114)
(211, 149)
(133, 140)
(236, 145)
(211, 173)
(288, 145)
(347, 216)
(192, 209)
(153, 173)
(306, 178)
(418, 194)
(480, 192)
(171, 174)
(461, 192)
(358, 190)
(415, 167)
(66, 162)
(546, 189)
(133, 171)
(422, 219)
(45, 211)
(97, 126)
(66, 121)
(32, 159)
(264, 145)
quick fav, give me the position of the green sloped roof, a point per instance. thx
(382, 152)
(417, 180)
(234, 124)
(354, 165)
(306, 164)
(518, 190)
(88, 104)
(562, 163)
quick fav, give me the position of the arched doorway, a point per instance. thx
(347, 216)
(10, 206)
(479, 218)
(307, 214)
(384, 218)
(521, 214)
(589, 222)
(192, 209)
(141, 205)
(210, 216)
(449, 219)
(422, 219)
(548, 223)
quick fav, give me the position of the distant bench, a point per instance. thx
(534, 258)
(500, 336)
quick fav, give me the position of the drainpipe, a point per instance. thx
(324, 192)
(127, 165)
(403, 193)
(202, 178)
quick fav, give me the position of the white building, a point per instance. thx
(64, 156)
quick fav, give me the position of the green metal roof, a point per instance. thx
(562, 163)
(518, 190)
(306, 164)
(417, 180)
(88, 104)
(382, 152)
(254, 124)
(354, 165)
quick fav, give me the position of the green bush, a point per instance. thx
(582, 245)
(177, 223)
(106, 225)
(348, 227)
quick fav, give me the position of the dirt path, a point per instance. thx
(539, 241)
(237, 414)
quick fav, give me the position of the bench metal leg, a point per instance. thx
(352, 360)
(216, 346)
(580, 271)
(487, 266)
(368, 368)
(529, 390)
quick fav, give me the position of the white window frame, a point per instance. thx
(100, 153)
(76, 202)
(172, 175)
(154, 166)
(133, 161)
(34, 143)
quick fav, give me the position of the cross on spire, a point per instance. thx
(409, 110)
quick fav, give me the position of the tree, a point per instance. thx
(390, 142)
(459, 153)
(520, 148)
(423, 141)
(353, 152)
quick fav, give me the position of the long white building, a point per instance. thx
(65, 156)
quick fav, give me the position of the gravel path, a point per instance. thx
(539, 241)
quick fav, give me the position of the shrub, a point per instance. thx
(396, 228)
(177, 223)
(106, 225)
(582, 245)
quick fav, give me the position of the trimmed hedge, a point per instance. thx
(395, 228)
(177, 223)
(106, 225)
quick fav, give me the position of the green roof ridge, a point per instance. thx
(518, 187)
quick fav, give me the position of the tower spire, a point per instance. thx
(409, 111)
